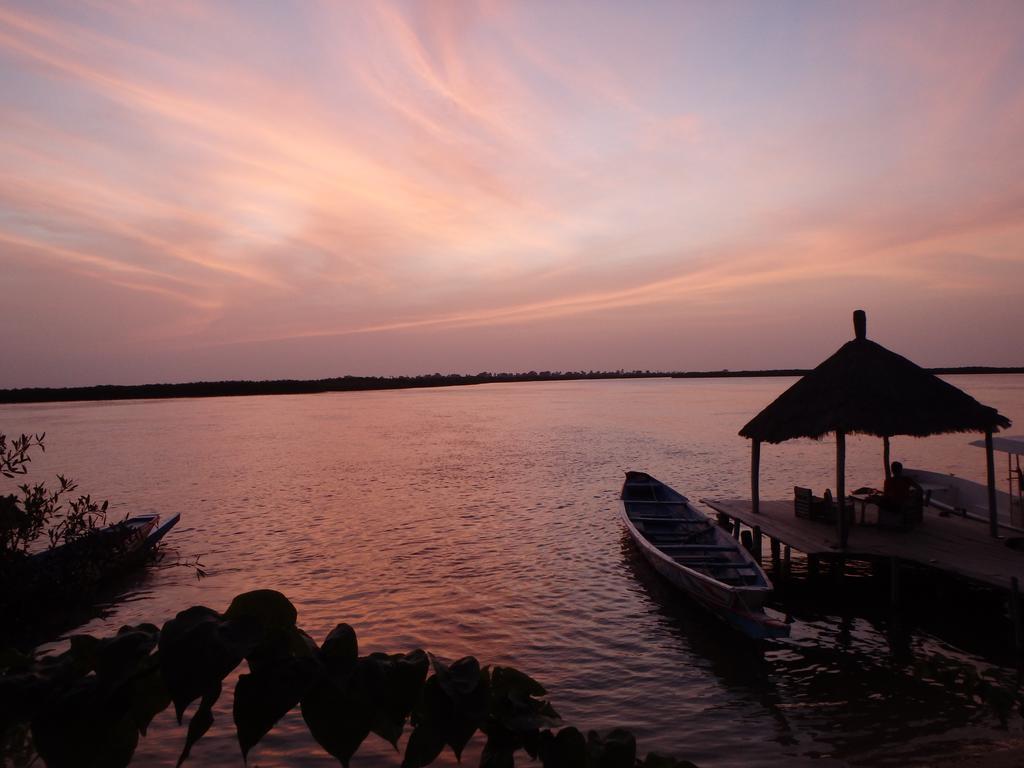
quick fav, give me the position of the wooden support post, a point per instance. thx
(755, 475)
(724, 521)
(776, 565)
(886, 457)
(894, 581)
(812, 566)
(787, 565)
(738, 527)
(993, 513)
(747, 540)
(757, 543)
(841, 487)
(1018, 639)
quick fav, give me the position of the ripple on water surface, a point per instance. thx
(484, 520)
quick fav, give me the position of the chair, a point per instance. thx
(902, 516)
(828, 511)
(811, 507)
(803, 502)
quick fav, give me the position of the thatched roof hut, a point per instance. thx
(866, 389)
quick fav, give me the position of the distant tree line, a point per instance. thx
(726, 373)
(298, 387)
(358, 383)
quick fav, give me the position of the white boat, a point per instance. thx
(957, 495)
(159, 532)
(686, 547)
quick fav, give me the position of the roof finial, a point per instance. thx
(860, 324)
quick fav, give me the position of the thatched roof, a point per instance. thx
(864, 388)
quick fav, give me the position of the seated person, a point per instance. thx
(897, 491)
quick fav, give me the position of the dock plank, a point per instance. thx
(951, 544)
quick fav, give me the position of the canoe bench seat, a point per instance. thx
(714, 564)
(665, 519)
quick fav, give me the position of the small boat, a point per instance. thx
(958, 495)
(158, 533)
(102, 552)
(697, 556)
(56, 587)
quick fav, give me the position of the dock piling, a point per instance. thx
(838, 569)
(747, 540)
(812, 566)
(1018, 639)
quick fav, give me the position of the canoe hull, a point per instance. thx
(98, 555)
(735, 594)
(158, 533)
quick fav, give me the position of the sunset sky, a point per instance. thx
(299, 190)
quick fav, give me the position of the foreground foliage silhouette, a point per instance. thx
(38, 510)
(37, 518)
(89, 705)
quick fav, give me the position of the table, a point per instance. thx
(862, 498)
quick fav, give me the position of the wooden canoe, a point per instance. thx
(686, 547)
(103, 552)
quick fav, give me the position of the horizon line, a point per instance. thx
(352, 383)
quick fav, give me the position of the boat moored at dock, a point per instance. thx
(686, 547)
(958, 495)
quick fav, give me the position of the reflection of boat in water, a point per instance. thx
(843, 686)
(957, 495)
(57, 589)
(697, 556)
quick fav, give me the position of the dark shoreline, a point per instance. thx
(367, 383)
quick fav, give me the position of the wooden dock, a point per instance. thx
(950, 544)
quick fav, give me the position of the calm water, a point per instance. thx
(484, 520)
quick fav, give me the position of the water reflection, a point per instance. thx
(484, 520)
(738, 663)
(868, 684)
(48, 631)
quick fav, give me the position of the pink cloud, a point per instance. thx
(451, 170)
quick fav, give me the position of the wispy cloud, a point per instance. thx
(324, 171)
